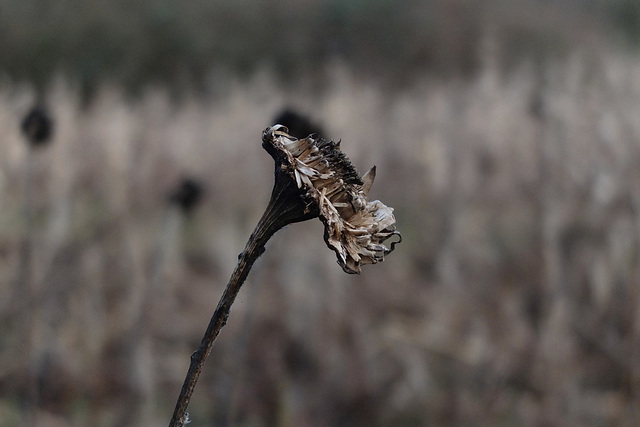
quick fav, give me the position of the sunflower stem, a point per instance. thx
(286, 206)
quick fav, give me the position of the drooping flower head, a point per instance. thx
(355, 228)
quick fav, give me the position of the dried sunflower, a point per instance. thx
(313, 178)
(354, 227)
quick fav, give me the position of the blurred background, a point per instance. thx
(507, 138)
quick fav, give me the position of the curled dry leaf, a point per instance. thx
(354, 227)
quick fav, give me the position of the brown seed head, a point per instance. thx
(354, 227)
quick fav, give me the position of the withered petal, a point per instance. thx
(367, 180)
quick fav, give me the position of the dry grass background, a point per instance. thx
(513, 299)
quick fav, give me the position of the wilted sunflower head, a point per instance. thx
(354, 227)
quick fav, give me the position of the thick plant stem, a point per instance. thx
(285, 207)
(251, 252)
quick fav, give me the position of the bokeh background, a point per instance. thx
(507, 138)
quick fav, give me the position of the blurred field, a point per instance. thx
(512, 301)
(175, 43)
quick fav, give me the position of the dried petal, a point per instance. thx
(367, 180)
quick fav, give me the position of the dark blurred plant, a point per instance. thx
(37, 126)
(187, 195)
(298, 124)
